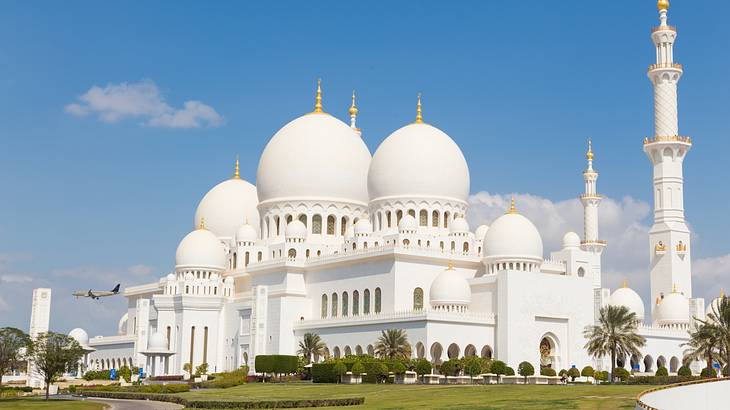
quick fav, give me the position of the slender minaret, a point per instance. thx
(669, 239)
(591, 200)
(353, 115)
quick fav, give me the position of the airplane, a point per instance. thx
(96, 294)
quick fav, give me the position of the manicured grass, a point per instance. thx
(390, 396)
(40, 404)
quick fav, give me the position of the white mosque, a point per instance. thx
(338, 242)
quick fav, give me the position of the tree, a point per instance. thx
(357, 368)
(587, 372)
(719, 321)
(472, 365)
(202, 369)
(311, 346)
(188, 368)
(703, 344)
(12, 342)
(393, 344)
(340, 369)
(573, 373)
(52, 354)
(508, 371)
(662, 371)
(399, 368)
(547, 371)
(498, 367)
(422, 367)
(622, 374)
(525, 369)
(615, 334)
(451, 367)
(601, 376)
(125, 373)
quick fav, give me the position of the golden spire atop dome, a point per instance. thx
(722, 293)
(318, 98)
(512, 208)
(353, 107)
(589, 154)
(674, 288)
(450, 266)
(237, 171)
(419, 111)
(625, 284)
(201, 225)
(662, 5)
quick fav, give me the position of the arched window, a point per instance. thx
(387, 218)
(354, 246)
(398, 216)
(581, 272)
(292, 253)
(307, 253)
(377, 300)
(465, 248)
(453, 246)
(334, 305)
(366, 302)
(423, 217)
(446, 219)
(343, 226)
(412, 212)
(324, 305)
(406, 242)
(317, 224)
(289, 218)
(355, 303)
(259, 256)
(417, 299)
(435, 219)
(235, 260)
(169, 334)
(331, 225)
(246, 259)
(303, 219)
(345, 304)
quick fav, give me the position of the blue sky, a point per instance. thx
(89, 200)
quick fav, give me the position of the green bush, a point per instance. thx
(573, 373)
(148, 389)
(276, 363)
(508, 371)
(357, 368)
(622, 374)
(662, 371)
(340, 369)
(125, 373)
(684, 371)
(708, 372)
(324, 373)
(422, 366)
(660, 380)
(399, 368)
(97, 375)
(472, 365)
(587, 371)
(498, 367)
(562, 372)
(547, 371)
(226, 379)
(451, 367)
(525, 369)
(726, 371)
(202, 369)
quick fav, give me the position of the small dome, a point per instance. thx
(714, 306)
(122, 324)
(450, 288)
(363, 226)
(512, 236)
(407, 223)
(247, 233)
(418, 160)
(459, 225)
(626, 296)
(571, 240)
(171, 276)
(200, 249)
(480, 232)
(80, 336)
(157, 341)
(228, 205)
(296, 229)
(672, 310)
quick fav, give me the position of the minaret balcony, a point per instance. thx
(662, 28)
(591, 196)
(672, 66)
(671, 138)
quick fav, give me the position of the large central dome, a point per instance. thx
(316, 156)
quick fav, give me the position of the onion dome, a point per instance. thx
(625, 296)
(714, 306)
(419, 161)
(122, 324)
(450, 289)
(246, 233)
(363, 227)
(459, 225)
(296, 230)
(481, 231)
(571, 240)
(407, 224)
(228, 205)
(513, 237)
(157, 341)
(315, 156)
(80, 336)
(672, 310)
(200, 249)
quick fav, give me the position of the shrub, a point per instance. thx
(562, 372)
(726, 371)
(451, 367)
(684, 371)
(525, 369)
(622, 374)
(573, 373)
(376, 372)
(660, 380)
(708, 372)
(125, 373)
(97, 375)
(472, 365)
(340, 369)
(357, 368)
(547, 371)
(422, 367)
(498, 367)
(662, 371)
(508, 371)
(227, 379)
(399, 368)
(486, 365)
(202, 369)
(323, 373)
(601, 376)
(188, 368)
(587, 372)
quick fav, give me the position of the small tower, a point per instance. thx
(669, 239)
(591, 200)
(353, 115)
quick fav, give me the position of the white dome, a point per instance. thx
(314, 156)
(481, 231)
(418, 160)
(450, 288)
(200, 249)
(512, 236)
(626, 296)
(571, 240)
(459, 225)
(296, 229)
(673, 309)
(227, 206)
(170, 276)
(714, 306)
(363, 226)
(247, 233)
(157, 341)
(122, 324)
(80, 336)
(407, 223)
(228, 280)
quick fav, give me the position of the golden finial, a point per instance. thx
(201, 225)
(589, 154)
(512, 208)
(662, 5)
(626, 283)
(353, 107)
(674, 288)
(722, 293)
(450, 266)
(419, 112)
(237, 172)
(318, 99)
(658, 300)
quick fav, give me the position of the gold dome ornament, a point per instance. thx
(318, 98)
(589, 154)
(419, 111)
(353, 107)
(512, 208)
(237, 171)
(662, 5)
(202, 224)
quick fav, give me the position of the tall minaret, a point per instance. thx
(669, 236)
(591, 200)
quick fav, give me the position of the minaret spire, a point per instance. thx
(237, 171)
(318, 98)
(419, 111)
(353, 113)
(591, 200)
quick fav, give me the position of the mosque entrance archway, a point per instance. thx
(420, 350)
(436, 352)
(548, 349)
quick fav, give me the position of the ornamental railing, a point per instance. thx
(660, 28)
(414, 314)
(671, 138)
(664, 65)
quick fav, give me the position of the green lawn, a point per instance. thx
(390, 396)
(40, 404)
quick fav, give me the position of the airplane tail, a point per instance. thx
(116, 288)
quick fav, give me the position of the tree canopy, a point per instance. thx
(52, 354)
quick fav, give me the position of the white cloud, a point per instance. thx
(142, 100)
(4, 306)
(10, 278)
(140, 270)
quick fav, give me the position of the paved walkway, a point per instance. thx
(118, 404)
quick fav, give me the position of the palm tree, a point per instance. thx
(704, 344)
(311, 346)
(615, 334)
(393, 343)
(719, 322)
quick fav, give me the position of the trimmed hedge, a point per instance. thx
(324, 373)
(276, 363)
(684, 371)
(204, 404)
(147, 389)
(659, 380)
(661, 372)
